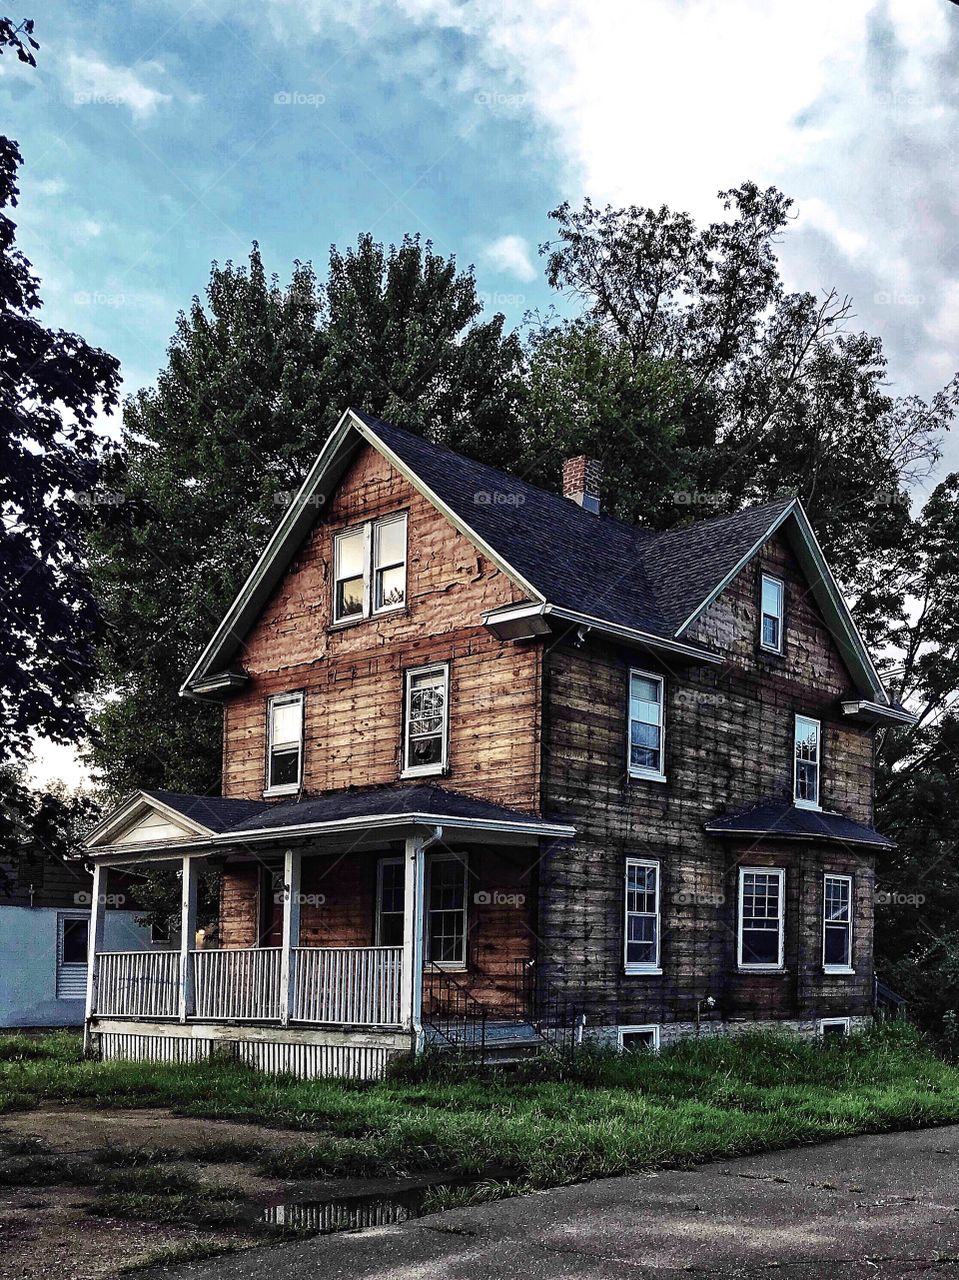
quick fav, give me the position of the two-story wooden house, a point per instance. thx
(499, 770)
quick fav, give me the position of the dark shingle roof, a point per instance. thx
(378, 802)
(591, 564)
(218, 813)
(778, 819)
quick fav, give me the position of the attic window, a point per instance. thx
(771, 620)
(369, 569)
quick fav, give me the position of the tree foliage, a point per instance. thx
(257, 375)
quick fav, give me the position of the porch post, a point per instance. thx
(413, 949)
(187, 937)
(291, 933)
(94, 947)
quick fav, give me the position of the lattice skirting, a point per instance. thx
(306, 1061)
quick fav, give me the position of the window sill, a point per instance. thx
(446, 966)
(635, 776)
(807, 804)
(765, 969)
(637, 971)
(340, 624)
(838, 969)
(272, 793)
(769, 652)
(425, 771)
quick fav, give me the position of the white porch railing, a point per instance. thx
(348, 985)
(241, 983)
(140, 984)
(345, 986)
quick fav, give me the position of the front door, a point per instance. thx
(271, 908)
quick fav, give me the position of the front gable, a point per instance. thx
(143, 820)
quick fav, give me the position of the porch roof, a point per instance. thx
(213, 823)
(781, 820)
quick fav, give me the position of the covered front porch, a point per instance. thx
(345, 938)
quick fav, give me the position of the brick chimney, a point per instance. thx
(582, 477)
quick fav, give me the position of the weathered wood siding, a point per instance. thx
(353, 675)
(729, 742)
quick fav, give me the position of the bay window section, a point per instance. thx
(426, 721)
(646, 726)
(837, 924)
(761, 917)
(642, 916)
(806, 774)
(284, 769)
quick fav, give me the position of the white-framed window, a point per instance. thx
(762, 911)
(646, 726)
(642, 916)
(369, 568)
(73, 945)
(837, 924)
(446, 910)
(644, 1039)
(806, 763)
(390, 899)
(426, 720)
(772, 595)
(284, 757)
(834, 1028)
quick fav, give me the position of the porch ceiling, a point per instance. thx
(345, 819)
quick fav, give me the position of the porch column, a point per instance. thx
(187, 937)
(94, 947)
(413, 950)
(291, 933)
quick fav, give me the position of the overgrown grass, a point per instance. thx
(555, 1122)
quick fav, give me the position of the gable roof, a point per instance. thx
(567, 561)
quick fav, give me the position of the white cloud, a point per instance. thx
(93, 82)
(511, 255)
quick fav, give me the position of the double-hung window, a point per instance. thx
(369, 569)
(837, 924)
(284, 769)
(446, 910)
(771, 614)
(806, 766)
(761, 916)
(646, 726)
(642, 916)
(426, 727)
(390, 895)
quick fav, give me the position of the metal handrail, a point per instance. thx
(459, 1011)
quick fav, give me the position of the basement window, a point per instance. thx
(284, 769)
(369, 569)
(427, 721)
(834, 1028)
(806, 765)
(639, 1039)
(771, 620)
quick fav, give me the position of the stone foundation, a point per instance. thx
(673, 1032)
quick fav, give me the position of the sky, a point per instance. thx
(160, 136)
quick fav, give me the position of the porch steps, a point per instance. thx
(505, 1041)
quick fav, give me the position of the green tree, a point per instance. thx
(256, 378)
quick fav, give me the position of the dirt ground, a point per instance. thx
(64, 1231)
